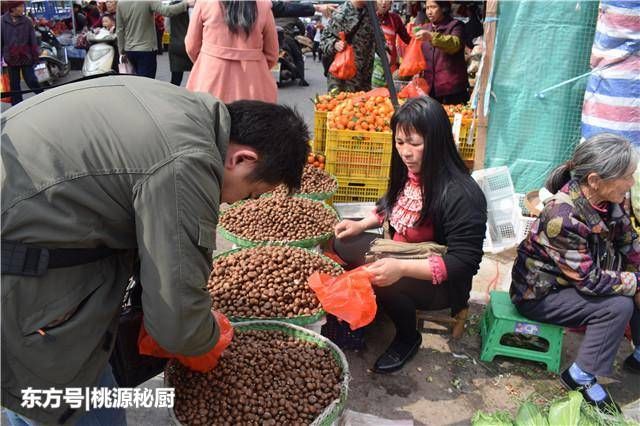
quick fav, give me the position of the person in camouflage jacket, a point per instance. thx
(352, 18)
(580, 264)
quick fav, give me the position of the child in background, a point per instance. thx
(109, 23)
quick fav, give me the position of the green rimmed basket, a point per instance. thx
(301, 320)
(243, 242)
(333, 411)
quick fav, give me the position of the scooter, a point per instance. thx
(54, 62)
(99, 58)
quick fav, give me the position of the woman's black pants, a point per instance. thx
(401, 299)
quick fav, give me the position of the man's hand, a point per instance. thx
(339, 46)
(636, 299)
(348, 228)
(385, 271)
(325, 9)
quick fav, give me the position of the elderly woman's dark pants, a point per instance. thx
(606, 318)
(400, 300)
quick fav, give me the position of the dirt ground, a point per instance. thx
(446, 383)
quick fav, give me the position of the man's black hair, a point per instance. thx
(278, 134)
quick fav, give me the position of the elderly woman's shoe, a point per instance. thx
(606, 404)
(631, 364)
(397, 354)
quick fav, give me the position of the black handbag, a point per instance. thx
(130, 368)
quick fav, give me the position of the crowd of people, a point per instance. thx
(254, 46)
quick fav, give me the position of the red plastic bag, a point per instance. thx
(5, 87)
(416, 88)
(201, 363)
(348, 296)
(413, 61)
(343, 66)
(380, 91)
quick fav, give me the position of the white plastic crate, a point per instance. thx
(526, 222)
(496, 184)
(502, 228)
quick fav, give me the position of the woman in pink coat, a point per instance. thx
(233, 46)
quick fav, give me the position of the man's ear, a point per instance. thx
(240, 156)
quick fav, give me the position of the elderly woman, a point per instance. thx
(579, 265)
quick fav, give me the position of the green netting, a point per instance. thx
(538, 45)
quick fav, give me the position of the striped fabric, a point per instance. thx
(612, 98)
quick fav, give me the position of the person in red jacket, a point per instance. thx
(393, 28)
(443, 48)
(20, 49)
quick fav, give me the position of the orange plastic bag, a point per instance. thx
(416, 88)
(413, 61)
(380, 91)
(5, 87)
(348, 296)
(201, 363)
(343, 66)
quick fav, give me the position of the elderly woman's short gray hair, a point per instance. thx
(609, 156)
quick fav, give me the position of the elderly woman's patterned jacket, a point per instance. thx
(573, 244)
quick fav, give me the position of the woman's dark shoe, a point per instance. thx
(631, 364)
(397, 355)
(606, 405)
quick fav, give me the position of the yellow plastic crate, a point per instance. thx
(351, 154)
(359, 190)
(319, 131)
(466, 143)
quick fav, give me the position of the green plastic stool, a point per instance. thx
(501, 317)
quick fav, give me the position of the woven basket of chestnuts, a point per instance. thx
(272, 373)
(317, 184)
(295, 221)
(268, 282)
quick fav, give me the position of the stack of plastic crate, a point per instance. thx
(526, 219)
(504, 214)
(361, 162)
(319, 131)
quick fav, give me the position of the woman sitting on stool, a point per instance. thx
(571, 270)
(431, 197)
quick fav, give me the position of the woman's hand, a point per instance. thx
(349, 228)
(339, 46)
(423, 35)
(385, 271)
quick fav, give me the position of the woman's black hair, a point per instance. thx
(240, 15)
(441, 162)
(445, 6)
